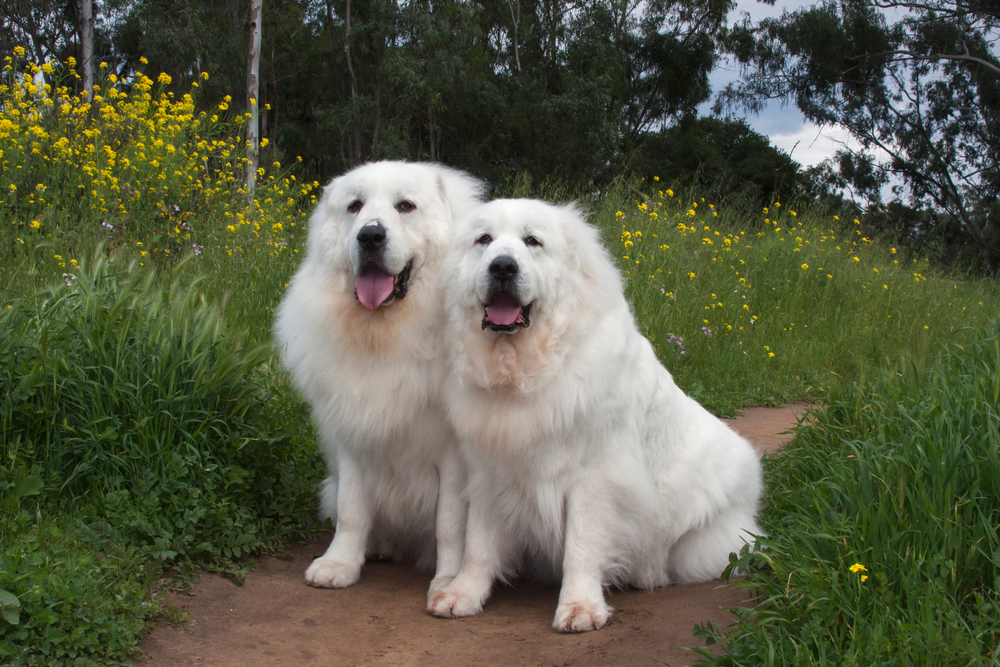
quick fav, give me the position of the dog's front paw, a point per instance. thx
(327, 573)
(450, 604)
(581, 617)
(440, 582)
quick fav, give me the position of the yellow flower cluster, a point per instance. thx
(139, 164)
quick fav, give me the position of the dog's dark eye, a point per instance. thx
(532, 241)
(485, 239)
(355, 206)
(406, 206)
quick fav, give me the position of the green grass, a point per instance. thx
(899, 472)
(747, 307)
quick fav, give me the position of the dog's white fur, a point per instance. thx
(373, 377)
(582, 451)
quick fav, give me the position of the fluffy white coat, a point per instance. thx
(373, 375)
(582, 451)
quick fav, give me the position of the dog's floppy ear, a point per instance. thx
(591, 259)
(323, 208)
(459, 191)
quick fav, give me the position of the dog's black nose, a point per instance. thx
(503, 268)
(372, 236)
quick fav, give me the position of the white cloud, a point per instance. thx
(785, 125)
(810, 144)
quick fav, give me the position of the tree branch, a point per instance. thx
(909, 55)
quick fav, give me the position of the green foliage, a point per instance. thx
(917, 84)
(557, 88)
(718, 158)
(84, 598)
(137, 399)
(883, 516)
(146, 433)
(9, 605)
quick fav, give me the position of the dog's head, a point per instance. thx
(378, 226)
(520, 261)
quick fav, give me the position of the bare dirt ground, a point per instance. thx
(276, 620)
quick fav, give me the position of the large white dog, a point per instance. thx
(360, 330)
(582, 451)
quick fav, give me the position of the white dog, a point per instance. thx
(360, 330)
(582, 451)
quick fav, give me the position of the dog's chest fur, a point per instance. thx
(369, 375)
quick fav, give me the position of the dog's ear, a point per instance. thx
(591, 260)
(459, 191)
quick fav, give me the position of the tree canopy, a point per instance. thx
(565, 89)
(588, 91)
(917, 82)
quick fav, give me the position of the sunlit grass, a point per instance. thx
(765, 305)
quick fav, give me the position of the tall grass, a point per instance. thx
(750, 307)
(133, 412)
(883, 519)
(145, 176)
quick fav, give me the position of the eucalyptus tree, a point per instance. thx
(86, 30)
(916, 82)
(44, 28)
(669, 50)
(253, 93)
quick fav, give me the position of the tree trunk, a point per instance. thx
(380, 60)
(553, 19)
(253, 88)
(356, 154)
(431, 134)
(87, 46)
(515, 19)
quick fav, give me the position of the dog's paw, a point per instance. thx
(581, 617)
(440, 582)
(448, 604)
(325, 573)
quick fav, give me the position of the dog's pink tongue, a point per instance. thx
(374, 286)
(504, 309)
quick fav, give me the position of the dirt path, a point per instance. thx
(275, 620)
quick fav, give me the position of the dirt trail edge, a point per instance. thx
(276, 620)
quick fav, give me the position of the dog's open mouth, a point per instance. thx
(376, 287)
(505, 313)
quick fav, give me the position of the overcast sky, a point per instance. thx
(786, 126)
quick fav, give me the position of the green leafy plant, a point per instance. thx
(9, 606)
